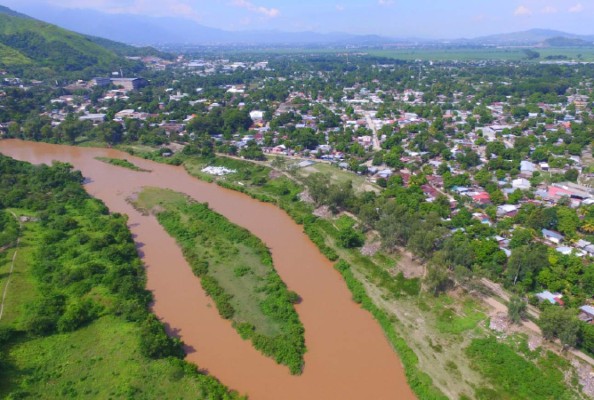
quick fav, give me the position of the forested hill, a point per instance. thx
(33, 48)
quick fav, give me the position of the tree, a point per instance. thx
(154, 342)
(525, 263)
(531, 54)
(252, 152)
(569, 222)
(437, 279)
(571, 175)
(349, 238)
(557, 322)
(516, 309)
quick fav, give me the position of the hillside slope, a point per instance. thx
(29, 46)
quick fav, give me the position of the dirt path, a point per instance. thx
(16, 249)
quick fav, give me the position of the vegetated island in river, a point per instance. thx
(236, 271)
(121, 163)
(76, 321)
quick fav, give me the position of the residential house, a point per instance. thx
(586, 313)
(552, 236)
(553, 298)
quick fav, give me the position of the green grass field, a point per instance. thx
(100, 361)
(476, 54)
(435, 54)
(9, 57)
(22, 288)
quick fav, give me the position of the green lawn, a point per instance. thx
(519, 379)
(453, 320)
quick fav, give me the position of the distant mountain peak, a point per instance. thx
(530, 37)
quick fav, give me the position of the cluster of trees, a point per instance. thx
(69, 280)
(334, 195)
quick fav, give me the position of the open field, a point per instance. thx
(478, 54)
(337, 175)
(437, 54)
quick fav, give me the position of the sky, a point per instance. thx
(396, 18)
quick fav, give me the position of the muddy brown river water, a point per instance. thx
(348, 355)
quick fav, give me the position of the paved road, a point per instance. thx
(376, 142)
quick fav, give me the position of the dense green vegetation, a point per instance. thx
(9, 229)
(121, 163)
(236, 270)
(81, 326)
(451, 129)
(521, 378)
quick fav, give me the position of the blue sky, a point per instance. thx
(398, 18)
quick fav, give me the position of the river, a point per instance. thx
(348, 356)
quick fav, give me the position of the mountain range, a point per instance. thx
(143, 30)
(532, 37)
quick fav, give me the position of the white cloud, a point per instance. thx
(549, 10)
(522, 11)
(385, 3)
(340, 8)
(576, 8)
(267, 12)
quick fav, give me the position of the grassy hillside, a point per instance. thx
(26, 42)
(76, 322)
(10, 57)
